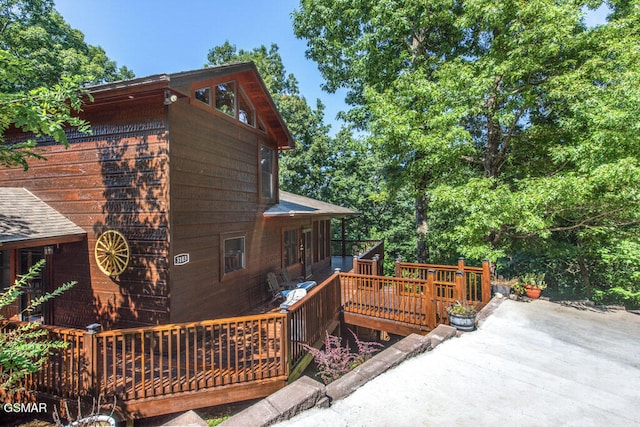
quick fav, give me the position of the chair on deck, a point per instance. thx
(279, 290)
(299, 283)
(287, 279)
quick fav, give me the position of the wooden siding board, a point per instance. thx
(213, 191)
(113, 179)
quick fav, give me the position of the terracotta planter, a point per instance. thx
(461, 322)
(533, 292)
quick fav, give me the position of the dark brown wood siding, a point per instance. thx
(214, 194)
(113, 179)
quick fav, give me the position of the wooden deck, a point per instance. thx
(170, 368)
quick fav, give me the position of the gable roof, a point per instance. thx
(179, 84)
(295, 205)
(25, 220)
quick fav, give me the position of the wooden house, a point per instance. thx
(169, 211)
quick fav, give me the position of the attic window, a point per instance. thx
(230, 99)
(226, 98)
(246, 113)
(261, 126)
(204, 95)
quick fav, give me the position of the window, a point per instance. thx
(226, 98)
(233, 254)
(290, 247)
(230, 99)
(204, 95)
(267, 172)
(261, 126)
(246, 113)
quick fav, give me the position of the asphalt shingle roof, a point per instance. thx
(24, 217)
(294, 205)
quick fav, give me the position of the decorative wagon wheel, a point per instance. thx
(112, 253)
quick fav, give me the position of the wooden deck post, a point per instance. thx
(398, 268)
(431, 294)
(91, 382)
(374, 265)
(486, 281)
(460, 293)
(461, 263)
(355, 265)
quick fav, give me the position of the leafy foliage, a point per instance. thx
(25, 348)
(43, 64)
(335, 360)
(34, 32)
(511, 124)
(342, 169)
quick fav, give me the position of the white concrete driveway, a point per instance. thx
(529, 364)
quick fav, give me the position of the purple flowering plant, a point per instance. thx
(336, 359)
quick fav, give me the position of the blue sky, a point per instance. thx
(166, 36)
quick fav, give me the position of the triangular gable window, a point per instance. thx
(230, 99)
(246, 113)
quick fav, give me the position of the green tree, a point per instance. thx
(24, 348)
(34, 32)
(342, 169)
(43, 64)
(512, 122)
(37, 112)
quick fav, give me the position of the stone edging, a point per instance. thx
(305, 393)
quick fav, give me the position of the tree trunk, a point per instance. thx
(586, 279)
(422, 224)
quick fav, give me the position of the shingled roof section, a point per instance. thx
(295, 205)
(24, 218)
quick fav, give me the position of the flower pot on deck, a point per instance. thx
(533, 292)
(463, 322)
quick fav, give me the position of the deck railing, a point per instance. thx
(371, 262)
(477, 285)
(391, 298)
(146, 363)
(419, 295)
(351, 247)
(64, 373)
(156, 361)
(309, 318)
(163, 360)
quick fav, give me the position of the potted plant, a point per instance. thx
(534, 284)
(462, 316)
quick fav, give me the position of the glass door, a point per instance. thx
(35, 287)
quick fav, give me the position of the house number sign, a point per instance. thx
(181, 259)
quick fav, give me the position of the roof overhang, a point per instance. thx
(27, 221)
(293, 205)
(164, 86)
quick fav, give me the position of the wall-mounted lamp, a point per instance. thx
(48, 250)
(169, 98)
